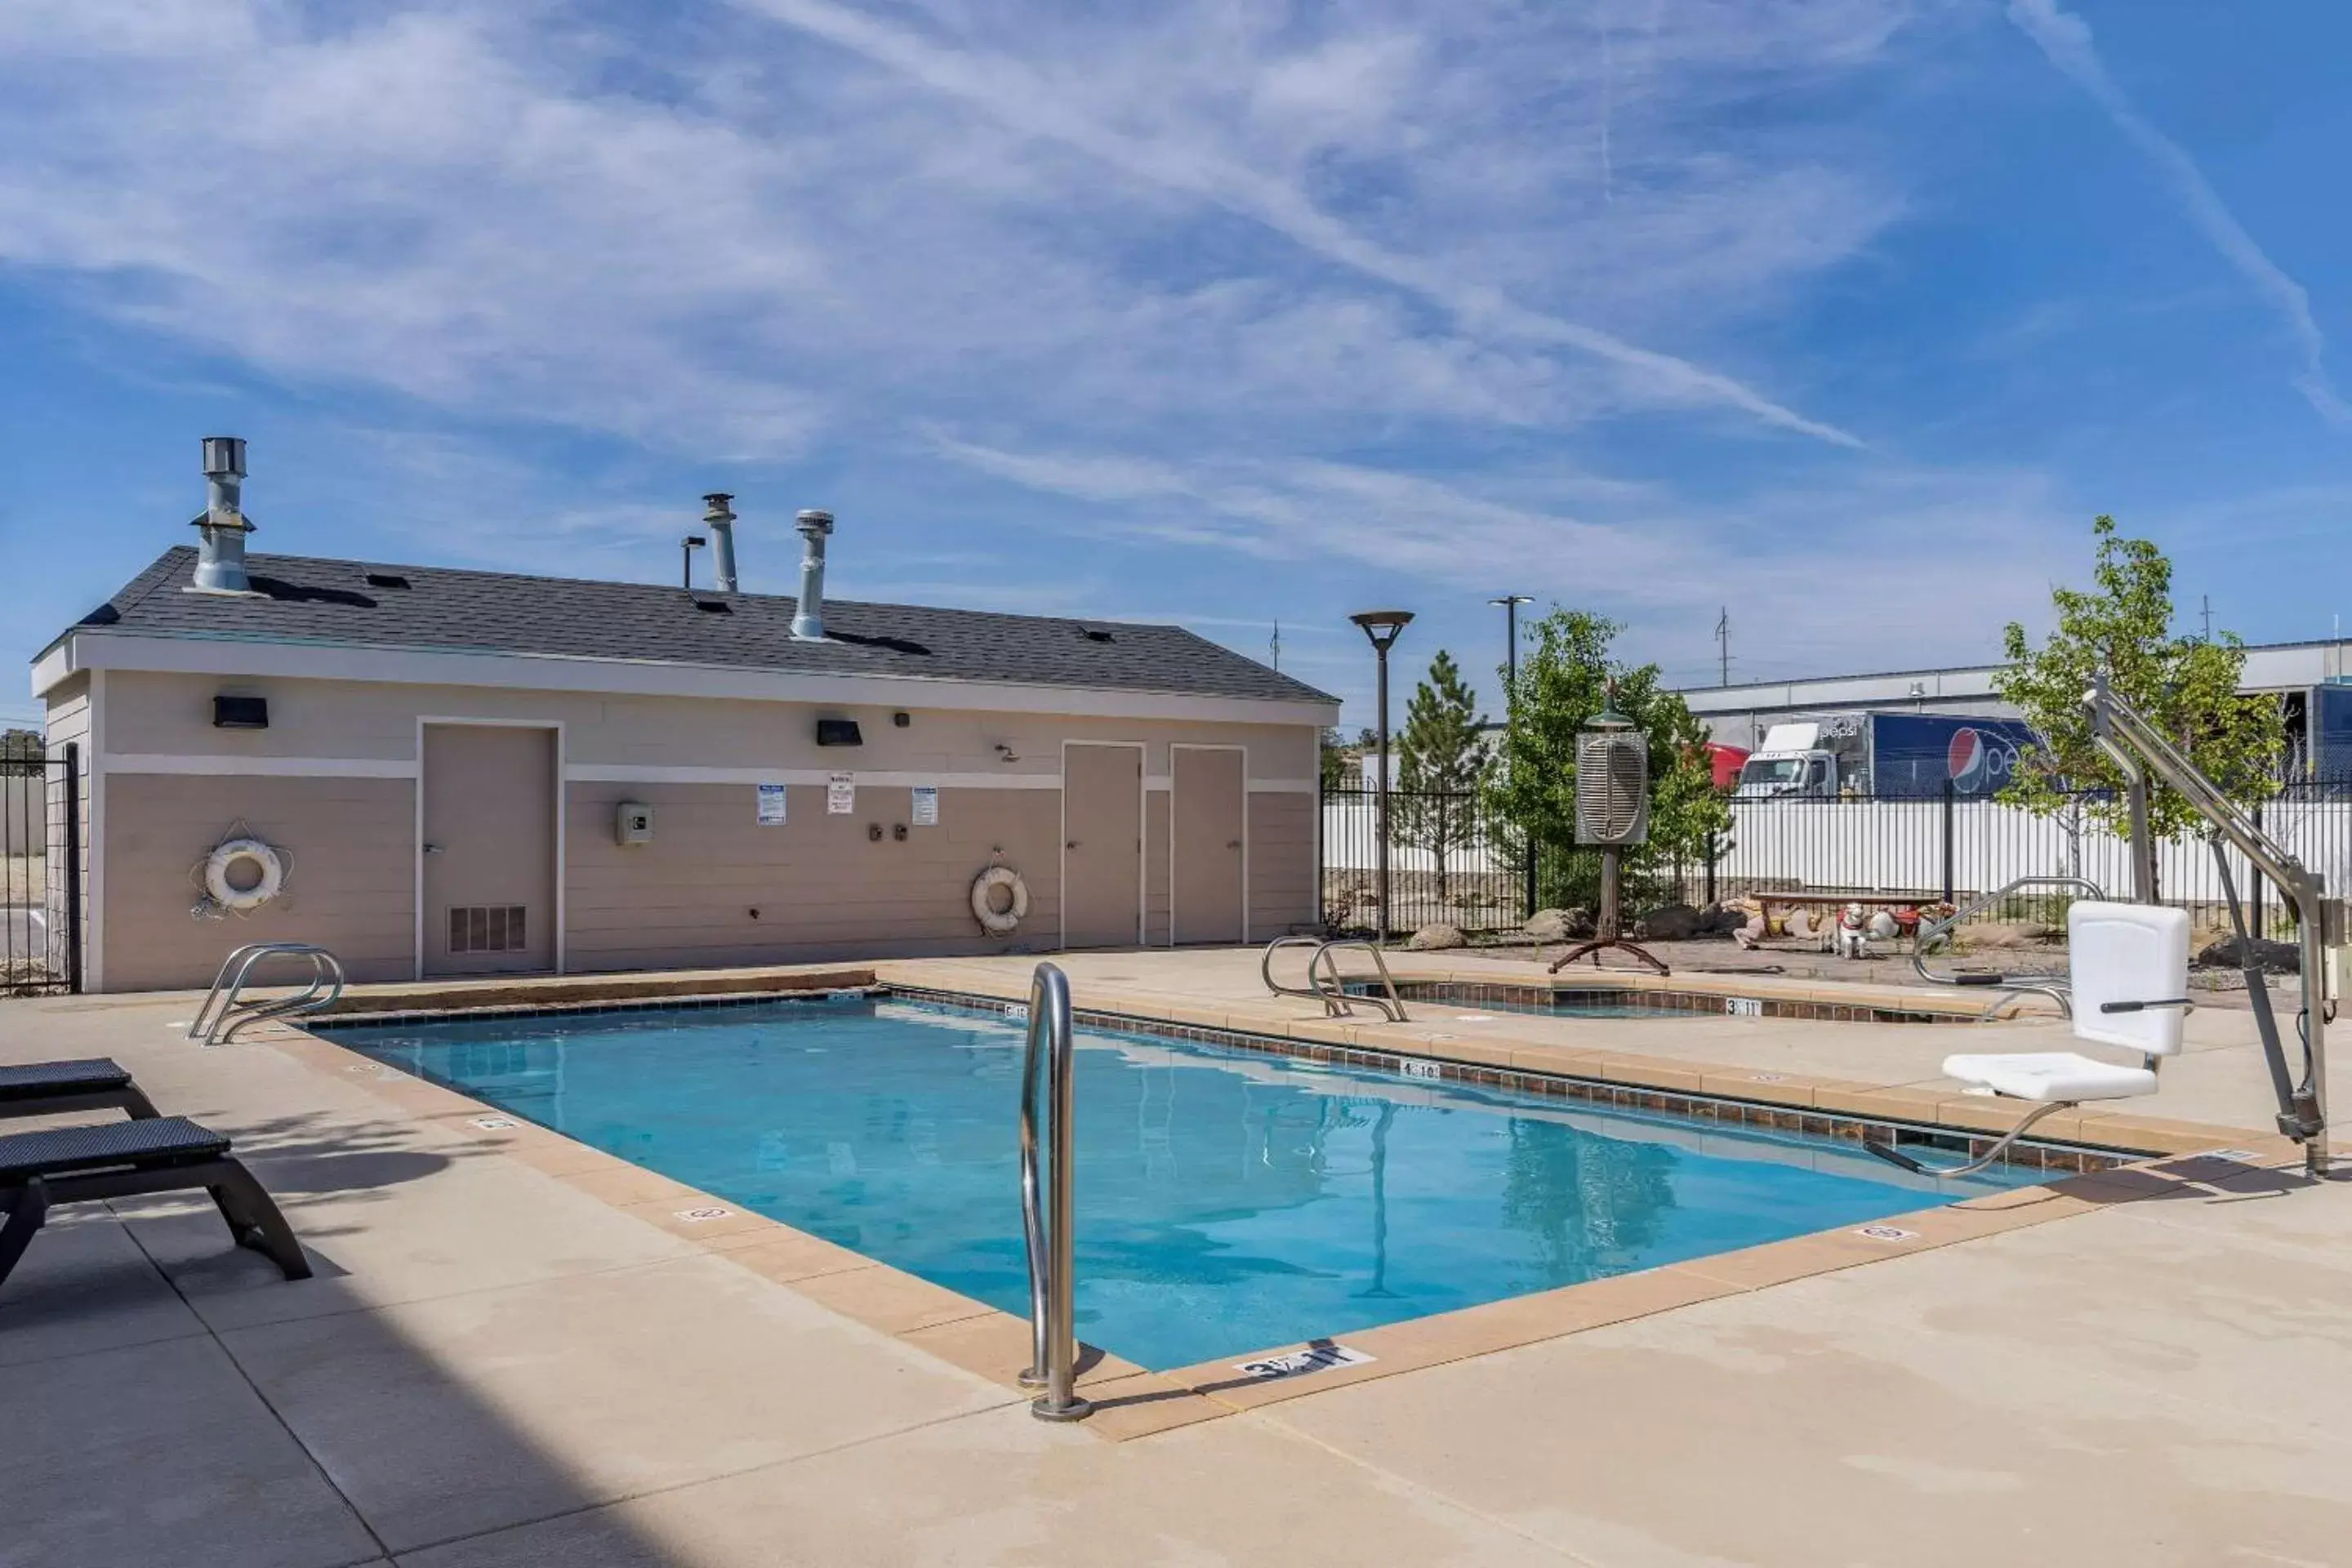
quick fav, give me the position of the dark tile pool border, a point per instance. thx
(1544, 1000)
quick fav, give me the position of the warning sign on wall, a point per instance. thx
(840, 793)
(927, 805)
(771, 805)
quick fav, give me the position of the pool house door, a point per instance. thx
(1206, 848)
(1102, 845)
(487, 853)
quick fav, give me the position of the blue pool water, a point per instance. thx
(1227, 1202)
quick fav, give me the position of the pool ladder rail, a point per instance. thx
(1048, 1206)
(1324, 982)
(223, 1014)
(2011, 987)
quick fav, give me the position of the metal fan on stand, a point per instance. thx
(1613, 811)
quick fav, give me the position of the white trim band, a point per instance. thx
(217, 766)
(1283, 786)
(648, 772)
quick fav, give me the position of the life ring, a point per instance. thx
(993, 921)
(269, 869)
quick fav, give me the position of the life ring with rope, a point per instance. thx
(984, 888)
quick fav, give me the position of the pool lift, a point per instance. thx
(2129, 964)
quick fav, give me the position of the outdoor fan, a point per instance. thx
(1613, 811)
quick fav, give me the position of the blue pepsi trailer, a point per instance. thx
(1911, 754)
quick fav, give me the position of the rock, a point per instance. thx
(2005, 934)
(1432, 937)
(1559, 925)
(1721, 920)
(2270, 957)
(1670, 922)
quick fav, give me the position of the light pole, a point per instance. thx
(1511, 603)
(1384, 627)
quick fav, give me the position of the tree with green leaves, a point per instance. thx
(2186, 686)
(1564, 679)
(1334, 760)
(18, 745)
(1441, 761)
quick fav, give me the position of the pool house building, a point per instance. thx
(442, 773)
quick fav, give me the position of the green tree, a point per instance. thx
(2186, 686)
(1441, 761)
(18, 744)
(1563, 681)
(1334, 760)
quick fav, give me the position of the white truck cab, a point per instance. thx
(1792, 762)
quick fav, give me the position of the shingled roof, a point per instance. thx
(352, 602)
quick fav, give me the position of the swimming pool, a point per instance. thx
(1227, 1202)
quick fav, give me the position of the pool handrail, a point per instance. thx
(1049, 1227)
(218, 1026)
(1338, 1001)
(2056, 988)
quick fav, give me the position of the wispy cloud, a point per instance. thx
(2066, 38)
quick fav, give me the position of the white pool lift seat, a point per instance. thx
(2128, 965)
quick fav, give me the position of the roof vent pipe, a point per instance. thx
(220, 557)
(719, 519)
(808, 615)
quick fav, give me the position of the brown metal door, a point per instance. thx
(1207, 845)
(1102, 845)
(490, 850)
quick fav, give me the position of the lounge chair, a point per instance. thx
(124, 1159)
(93, 1083)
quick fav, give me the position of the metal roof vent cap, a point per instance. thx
(220, 555)
(808, 614)
(719, 518)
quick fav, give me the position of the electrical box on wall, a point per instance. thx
(634, 824)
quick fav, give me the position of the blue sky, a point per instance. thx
(1844, 314)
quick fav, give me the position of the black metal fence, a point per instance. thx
(41, 873)
(1448, 862)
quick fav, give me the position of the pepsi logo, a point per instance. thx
(1967, 759)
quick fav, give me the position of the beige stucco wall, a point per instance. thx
(822, 888)
(351, 883)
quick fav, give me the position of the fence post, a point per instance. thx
(2256, 882)
(73, 868)
(1710, 867)
(1952, 798)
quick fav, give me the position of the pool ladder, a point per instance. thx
(221, 1014)
(1324, 982)
(1048, 1206)
(2009, 988)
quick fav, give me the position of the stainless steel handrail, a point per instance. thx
(218, 1027)
(2057, 990)
(1391, 1003)
(1337, 1000)
(1050, 1228)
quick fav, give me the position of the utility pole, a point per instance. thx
(1723, 646)
(1275, 647)
(2208, 618)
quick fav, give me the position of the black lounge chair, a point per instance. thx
(93, 1083)
(123, 1159)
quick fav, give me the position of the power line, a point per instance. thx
(1723, 646)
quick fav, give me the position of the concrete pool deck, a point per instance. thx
(500, 1365)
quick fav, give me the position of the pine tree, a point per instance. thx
(1441, 761)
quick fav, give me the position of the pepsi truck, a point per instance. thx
(1889, 756)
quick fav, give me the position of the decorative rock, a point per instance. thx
(1559, 925)
(1722, 920)
(1670, 922)
(1432, 937)
(2270, 957)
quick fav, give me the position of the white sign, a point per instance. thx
(1744, 1006)
(840, 793)
(1886, 1233)
(771, 804)
(696, 1216)
(1412, 1068)
(493, 1123)
(927, 805)
(1314, 1358)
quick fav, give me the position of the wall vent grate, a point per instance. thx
(487, 927)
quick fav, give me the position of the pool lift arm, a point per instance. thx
(2138, 748)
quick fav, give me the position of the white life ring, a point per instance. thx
(993, 921)
(270, 874)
